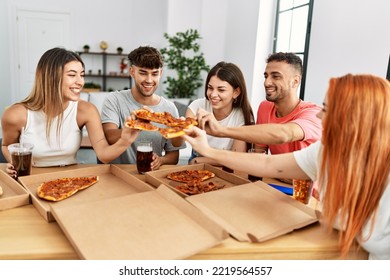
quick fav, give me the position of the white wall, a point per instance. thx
(347, 37)
(228, 32)
(5, 72)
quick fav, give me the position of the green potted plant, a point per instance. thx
(183, 56)
(86, 48)
(91, 87)
(119, 50)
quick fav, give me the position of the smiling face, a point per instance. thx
(145, 80)
(280, 80)
(221, 94)
(72, 80)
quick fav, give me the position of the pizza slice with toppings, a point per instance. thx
(174, 126)
(141, 125)
(191, 188)
(59, 189)
(186, 176)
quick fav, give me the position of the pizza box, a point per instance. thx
(14, 195)
(254, 212)
(157, 224)
(113, 182)
(158, 177)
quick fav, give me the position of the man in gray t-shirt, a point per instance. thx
(145, 69)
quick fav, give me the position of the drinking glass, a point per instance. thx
(21, 157)
(144, 156)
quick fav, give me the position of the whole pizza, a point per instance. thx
(59, 189)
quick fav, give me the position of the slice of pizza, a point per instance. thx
(59, 189)
(84, 182)
(176, 129)
(186, 176)
(171, 132)
(157, 117)
(182, 123)
(164, 118)
(191, 188)
(141, 125)
(211, 186)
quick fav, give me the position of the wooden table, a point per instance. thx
(24, 234)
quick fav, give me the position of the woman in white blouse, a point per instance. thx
(226, 98)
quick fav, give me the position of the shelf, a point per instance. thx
(101, 53)
(105, 74)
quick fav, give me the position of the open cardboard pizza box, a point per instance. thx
(161, 224)
(158, 177)
(113, 182)
(157, 224)
(254, 212)
(14, 195)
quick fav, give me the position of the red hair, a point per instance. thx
(356, 156)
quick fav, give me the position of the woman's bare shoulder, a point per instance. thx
(16, 113)
(14, 110)
(86, 111)
(85, 105)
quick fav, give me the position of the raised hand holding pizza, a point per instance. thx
(208, 122)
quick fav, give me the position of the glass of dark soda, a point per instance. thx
(21, 157)
(144, 156)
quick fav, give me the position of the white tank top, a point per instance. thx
(53, 151)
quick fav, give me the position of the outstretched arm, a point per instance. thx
(268, 134)
(263, 165)
(89, 116)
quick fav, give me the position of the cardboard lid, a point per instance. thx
(113, 182)
(156, 224)
(14, 195)
(254, 212)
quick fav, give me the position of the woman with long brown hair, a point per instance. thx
(351, 162)
(226, 98)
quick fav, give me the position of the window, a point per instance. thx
(292, 31)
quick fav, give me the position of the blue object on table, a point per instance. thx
(283, 189)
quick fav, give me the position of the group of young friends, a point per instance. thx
(343, 146)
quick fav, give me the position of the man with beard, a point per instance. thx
(145, 69)
(284, 122)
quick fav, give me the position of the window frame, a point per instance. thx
(305, 52)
